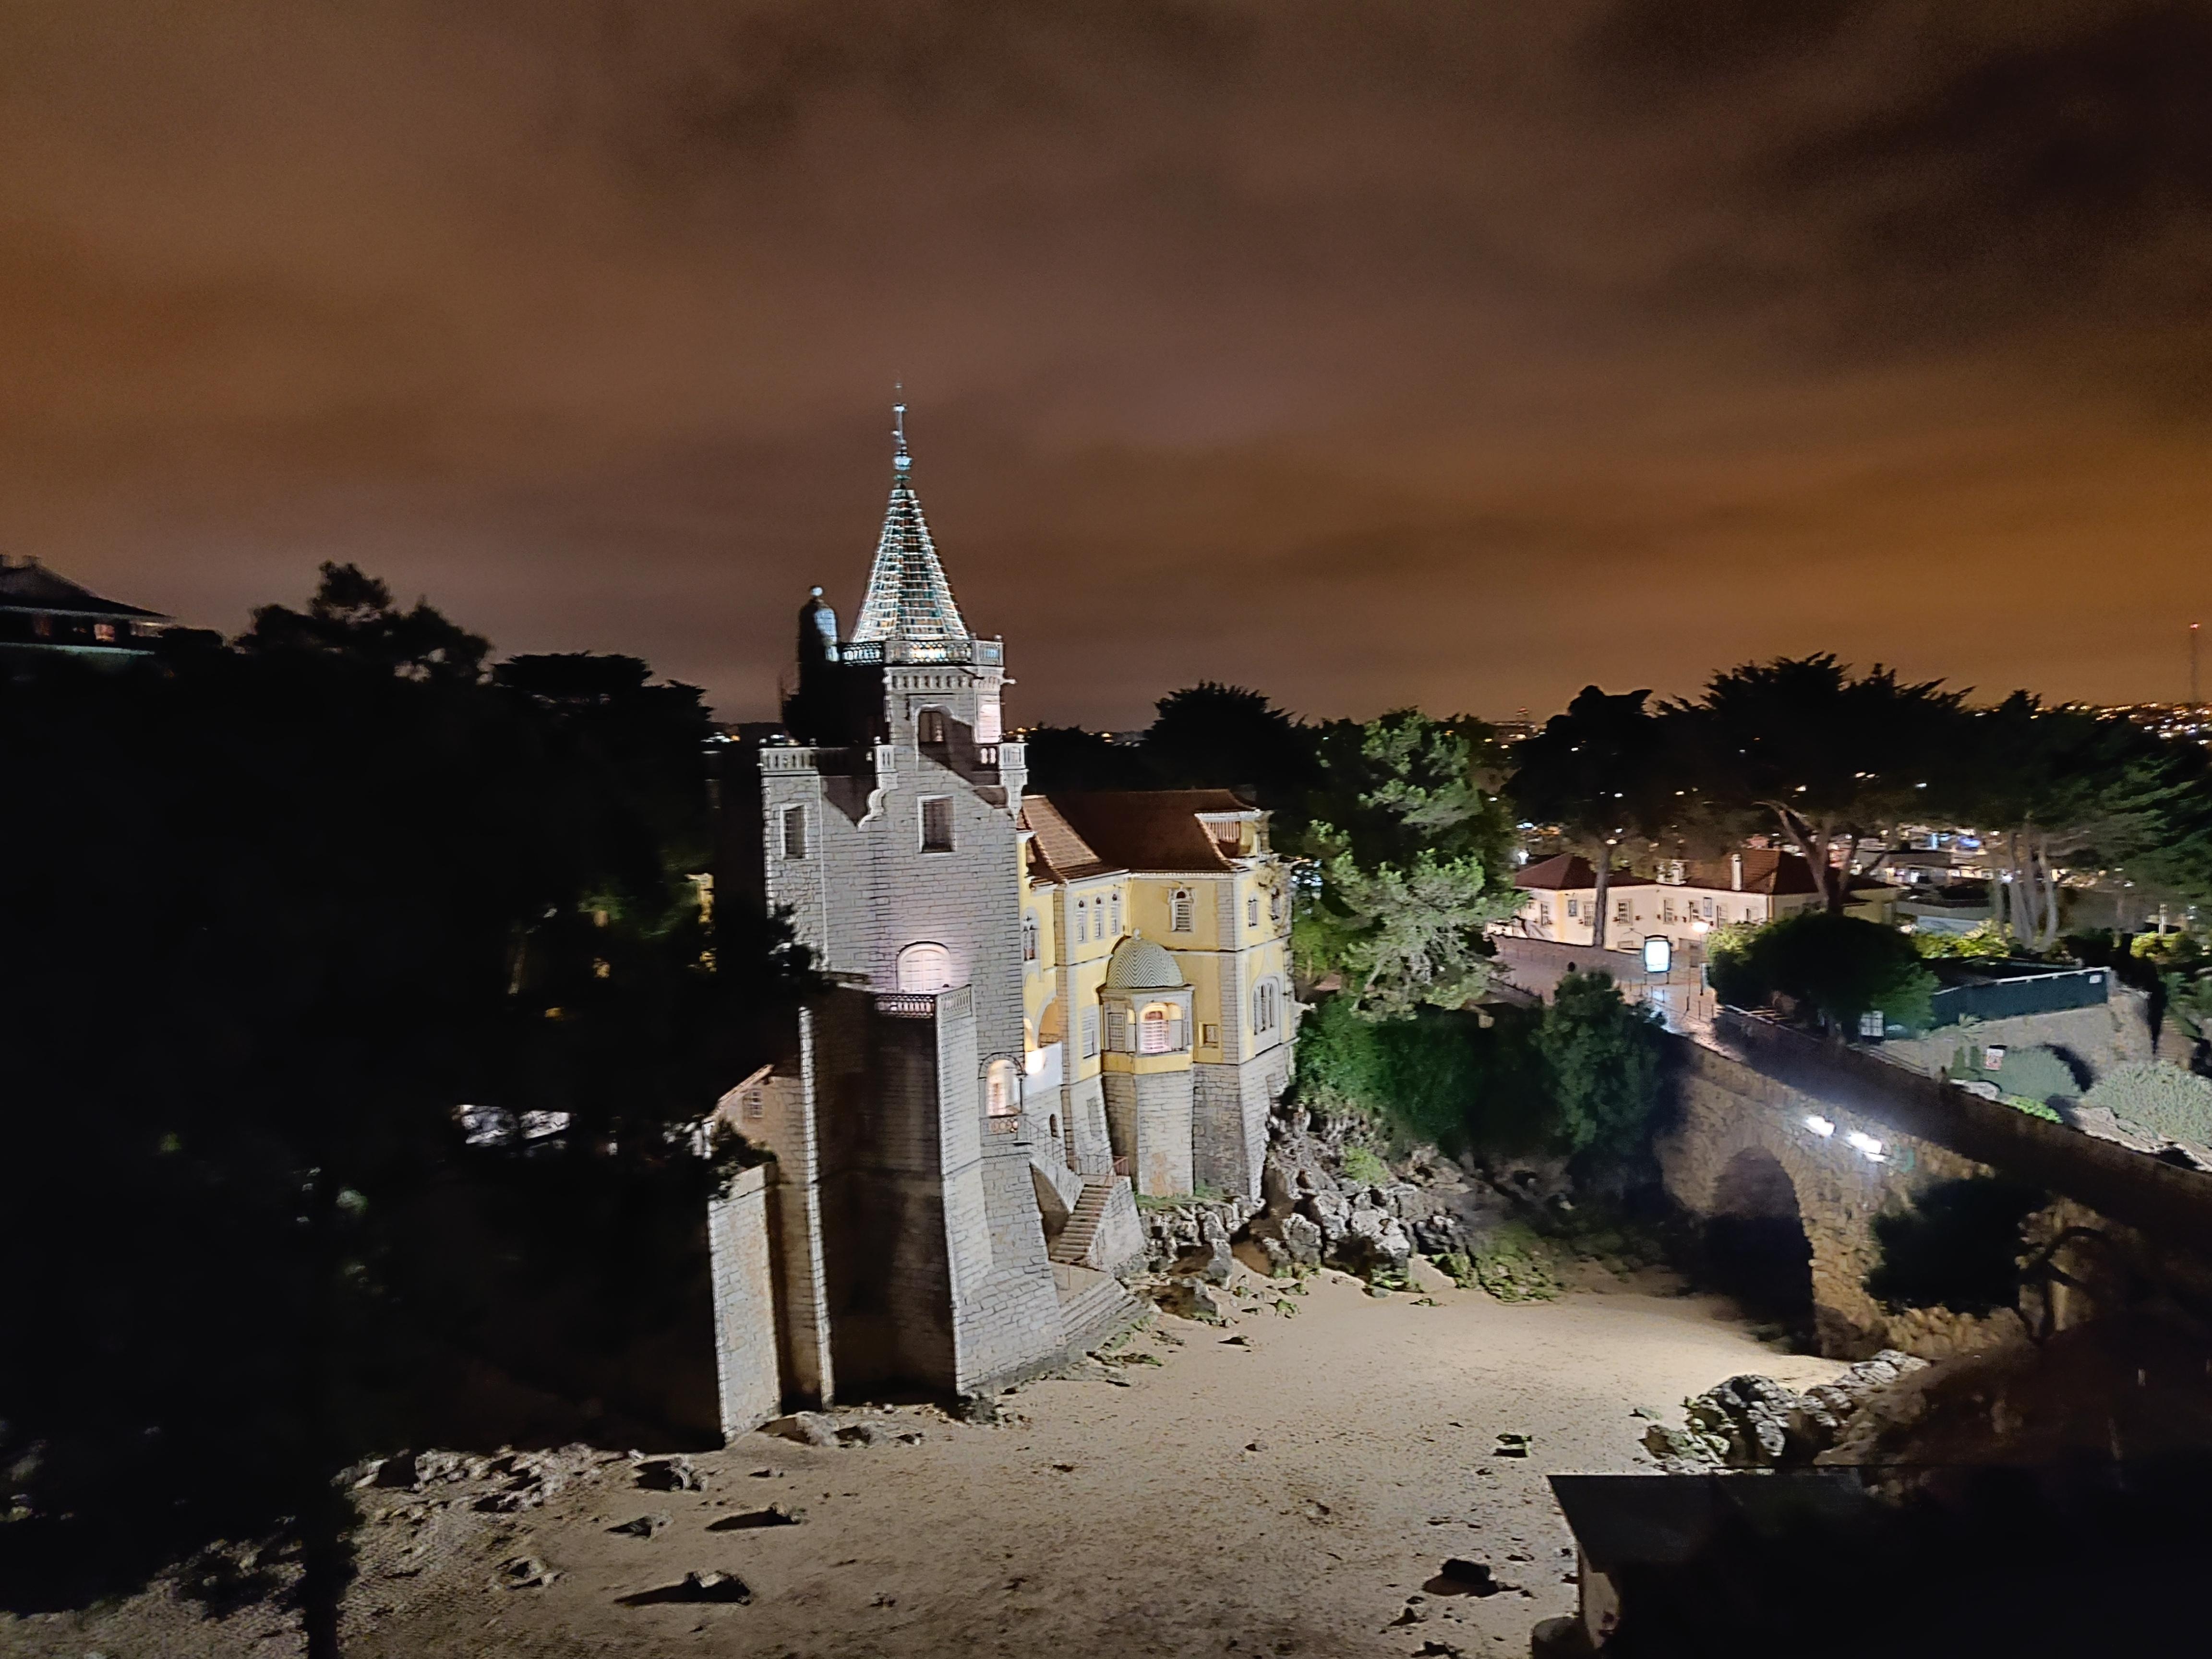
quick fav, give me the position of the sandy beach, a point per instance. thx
(1286, 1484)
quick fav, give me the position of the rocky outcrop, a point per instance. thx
(1752, 1422)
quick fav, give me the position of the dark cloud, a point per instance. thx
(1365, 353)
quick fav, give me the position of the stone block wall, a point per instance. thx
(1229, 1119)
(745, 1347)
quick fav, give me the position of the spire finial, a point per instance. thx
(900, 459)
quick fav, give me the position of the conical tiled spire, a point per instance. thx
(909, 599)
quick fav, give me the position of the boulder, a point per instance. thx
(807, 1428)
(671, 1474)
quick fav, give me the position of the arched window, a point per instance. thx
(1179, 911)
(1002, 1088)
(925, 967)
(1159, 1030)
(1265, 1006)
(1115, 932)
(1029, 936)
(929, 727)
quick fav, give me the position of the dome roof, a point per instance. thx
(1137, 965)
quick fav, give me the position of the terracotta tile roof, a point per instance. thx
(1765, 870)
(1148, 829)
(1563, 872)
(1056, 851)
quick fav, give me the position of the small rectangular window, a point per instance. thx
(795, 832)
(1083, 921)
(1209, 1037)
(929, 727)
(937, 823)
(1574, 907)
(1116, 931)
(1620, 911)
(1252, 911)
(1180, 911)
(1090, 1032)
(1029, 936)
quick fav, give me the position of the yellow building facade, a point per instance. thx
(1155, 970)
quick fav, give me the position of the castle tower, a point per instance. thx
(886, 831)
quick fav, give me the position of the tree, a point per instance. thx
(1069, 757)
(1837, 967)
(1596, 772)
(1412, 856)
(277, 912)
(1225, 736)
(1834, 759)
(2055, 787)
(1604, 1059)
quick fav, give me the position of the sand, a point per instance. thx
(1290, 1492)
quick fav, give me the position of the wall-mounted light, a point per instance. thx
(1865, 1144)
(1820, 1126)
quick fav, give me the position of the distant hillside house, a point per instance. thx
(42, 614)
(1691, 897)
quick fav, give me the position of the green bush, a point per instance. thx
(1364, 1167)
(1957, 1246)
(1986, 940)
(1443, 1077)
(2160, 1099)
(1604, 1060)
(1839, 967)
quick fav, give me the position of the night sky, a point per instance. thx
(1448, 353)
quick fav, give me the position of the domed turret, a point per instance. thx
(817, 629)
(1137, 965)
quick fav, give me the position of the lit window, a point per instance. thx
(104, 632)
(925, 967)
(1153, 1031)
(795, 832)
(937, 823)
(1002, 1088)
(1179, 911)
(1029, 936)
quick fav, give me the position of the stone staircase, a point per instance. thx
(1075, 1238)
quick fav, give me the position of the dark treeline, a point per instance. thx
(276, 910)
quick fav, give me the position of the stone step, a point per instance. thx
(1075, 1240)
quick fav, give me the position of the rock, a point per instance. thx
(859, 1434)
(807, 1428)
(716, 1586)
(645, 1526)
(1190, 1298)
(671, 1474)
(775, 1514)
(399, 1470)
(527, 1572)
(977, 1408)
(1464, 1577)
(1511, 1445)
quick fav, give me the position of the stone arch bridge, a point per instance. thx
(1787, 1148)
